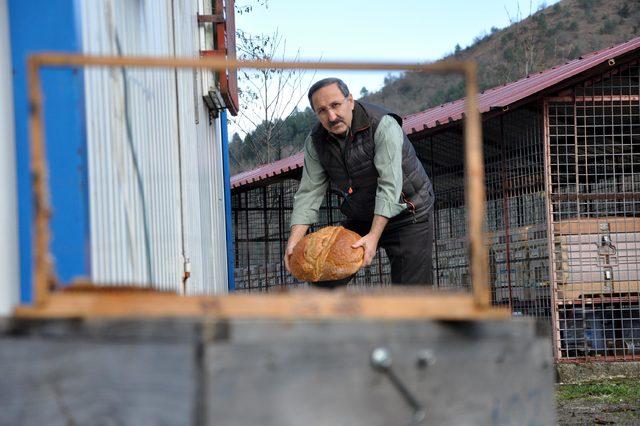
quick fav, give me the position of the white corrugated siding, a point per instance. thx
(202, 177)
(179, 159)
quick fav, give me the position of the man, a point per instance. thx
(362, 151)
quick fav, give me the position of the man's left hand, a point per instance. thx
(370, 244)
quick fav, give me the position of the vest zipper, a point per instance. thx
(346, 166)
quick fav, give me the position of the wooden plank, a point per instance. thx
(43, 276)
(592, 225)
(73, 60)
(580, 290)
(75, 380)
(474, 193)
(218, 18)
(301, 372)
(318, 373)
(315, 304)
(434, 307)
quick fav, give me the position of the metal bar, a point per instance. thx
(550, 231)
(213, 53)
(281, 230)
(569, 196)
(265, 219)
(237, 230)
(217, 18)
(601, 98)
(246, 227)
(436, 216)
(505, 207)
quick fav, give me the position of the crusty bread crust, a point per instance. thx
(326, 255)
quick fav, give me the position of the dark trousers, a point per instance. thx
(408, 248)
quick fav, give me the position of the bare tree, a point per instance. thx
(267, 96)
(526, 38)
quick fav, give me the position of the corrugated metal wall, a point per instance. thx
(155, 172)
(202, 171)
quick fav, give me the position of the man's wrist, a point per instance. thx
(378, 225)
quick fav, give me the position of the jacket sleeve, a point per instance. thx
(312, 189)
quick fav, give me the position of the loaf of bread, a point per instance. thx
(326, 255)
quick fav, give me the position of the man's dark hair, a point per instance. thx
(325, 82)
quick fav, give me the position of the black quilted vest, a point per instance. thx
(353, 173)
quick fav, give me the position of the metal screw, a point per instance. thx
(381, 359)
(426, 358)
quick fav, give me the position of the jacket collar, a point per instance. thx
(360, 120)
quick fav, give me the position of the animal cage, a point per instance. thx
(563, 212)
(516, 218)
(261, 218)
(594, 211)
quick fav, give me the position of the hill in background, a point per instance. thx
(551, 36)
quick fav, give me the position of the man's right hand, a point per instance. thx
(296, 234)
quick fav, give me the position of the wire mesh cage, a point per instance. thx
(594, 190)
(261, 218)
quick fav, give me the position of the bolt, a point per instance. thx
(381, 358)
(426, 358)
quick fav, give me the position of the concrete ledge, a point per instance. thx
(585, 372)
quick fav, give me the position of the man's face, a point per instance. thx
(333, 110)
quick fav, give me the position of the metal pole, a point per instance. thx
(435, 214)
(281, 230)
(505, 210)
(265, 219)
(246, 227)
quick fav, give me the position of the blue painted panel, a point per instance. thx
(227, 198)
(50, 25)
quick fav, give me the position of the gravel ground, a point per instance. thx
(586, 412)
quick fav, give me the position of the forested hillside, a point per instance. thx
(551, 36)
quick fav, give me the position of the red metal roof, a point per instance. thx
(497, 97)
(502, 96)
(268, 170)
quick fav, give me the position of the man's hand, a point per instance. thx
(296, 234)
(370, 241)
(370, 244)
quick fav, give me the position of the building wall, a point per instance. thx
(135, 159)
(155, 160)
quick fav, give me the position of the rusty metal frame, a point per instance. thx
(395, 303)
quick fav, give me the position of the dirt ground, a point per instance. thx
(602, 402)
